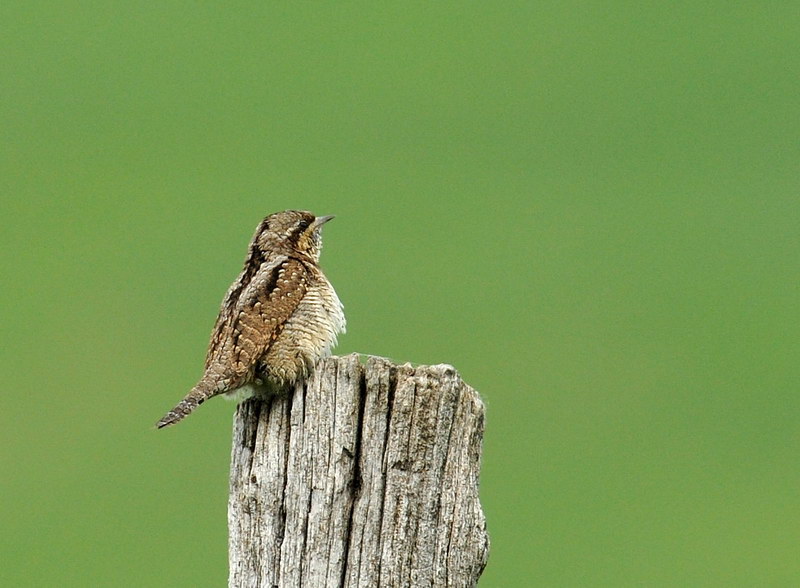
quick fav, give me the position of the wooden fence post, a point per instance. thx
(366, 475)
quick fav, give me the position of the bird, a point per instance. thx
(278, 318)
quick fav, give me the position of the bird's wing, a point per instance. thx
(253, 265)
(257, 318)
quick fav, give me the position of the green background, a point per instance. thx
(589, 208)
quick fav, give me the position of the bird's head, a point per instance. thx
(291, 232)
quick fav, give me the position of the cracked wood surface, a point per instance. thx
(367, 475)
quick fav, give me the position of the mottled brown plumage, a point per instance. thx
(278, 318)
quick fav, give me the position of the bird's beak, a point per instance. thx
(321, 220)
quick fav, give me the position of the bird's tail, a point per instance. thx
(191, 401)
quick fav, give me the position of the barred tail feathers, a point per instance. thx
(185, 407)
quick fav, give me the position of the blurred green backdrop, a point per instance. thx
(589, 208)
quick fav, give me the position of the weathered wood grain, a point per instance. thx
(367, 475)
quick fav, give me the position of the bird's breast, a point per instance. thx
(308, 335)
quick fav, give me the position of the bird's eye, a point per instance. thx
(304, 224)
